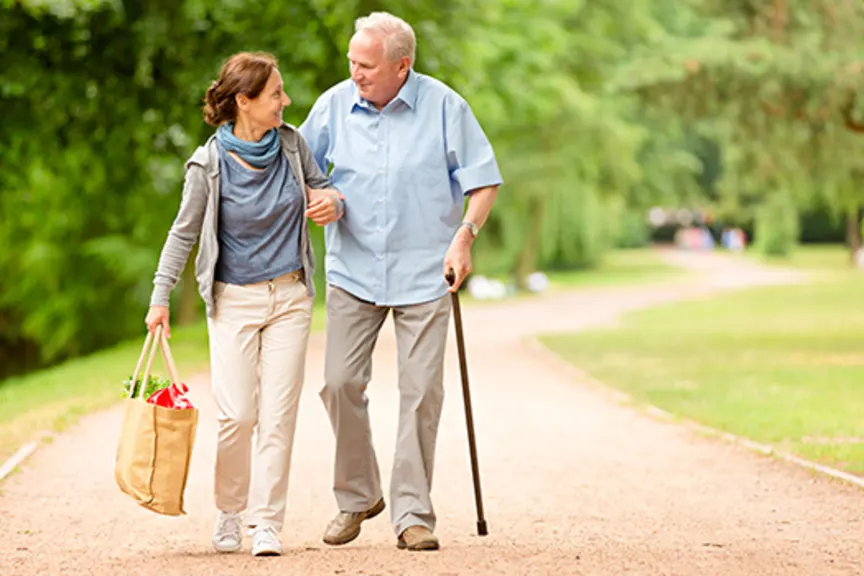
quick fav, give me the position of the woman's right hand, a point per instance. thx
(158, 315)
(325, 205)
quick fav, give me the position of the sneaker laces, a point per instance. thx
(229, 525)
(267, 533)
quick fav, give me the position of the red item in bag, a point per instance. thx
(173, 396)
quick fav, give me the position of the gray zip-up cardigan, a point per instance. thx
(199, 212)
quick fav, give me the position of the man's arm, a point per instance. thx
(480, 204)
(473, 167)
(458, 257)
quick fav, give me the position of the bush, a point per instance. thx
(777, 228)
(630, 229)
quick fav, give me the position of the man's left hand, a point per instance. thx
(458, 257)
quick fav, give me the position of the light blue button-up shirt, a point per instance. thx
(404, 172)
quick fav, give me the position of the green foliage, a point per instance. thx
(630, 229)
(100, 112)
(776, 232)
(154, 384)
(777, 86)
(597, 111)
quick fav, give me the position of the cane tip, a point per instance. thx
(482, 529)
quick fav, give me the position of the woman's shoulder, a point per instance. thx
(206, 156)
(290, 136)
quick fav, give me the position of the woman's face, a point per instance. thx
(265, 110)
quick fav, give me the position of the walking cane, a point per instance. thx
(466, 396)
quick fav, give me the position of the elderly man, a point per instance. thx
(405, 150)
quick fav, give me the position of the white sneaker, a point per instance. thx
(228, 535)
(265, 542)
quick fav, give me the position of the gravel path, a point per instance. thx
(574, 483)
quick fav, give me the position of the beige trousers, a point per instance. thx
(258, 340)
(421, 339)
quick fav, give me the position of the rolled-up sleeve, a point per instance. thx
(470, 157)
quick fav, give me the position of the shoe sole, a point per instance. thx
(424, 546)
(227, 550)
(372, 513)
(267, 553)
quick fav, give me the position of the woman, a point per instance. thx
(246, 193)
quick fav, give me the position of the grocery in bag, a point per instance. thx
(173, 396)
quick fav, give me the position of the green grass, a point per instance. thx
(51, 400)
(780, 365)
(618, 268)
(820, 257)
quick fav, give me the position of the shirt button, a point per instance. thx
(380, 257)
(380, 229)
(380, 171)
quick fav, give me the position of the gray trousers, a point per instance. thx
(421, 336)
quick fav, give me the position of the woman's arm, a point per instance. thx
(326, 204)
(182, 236)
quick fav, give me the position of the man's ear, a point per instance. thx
(404, 66)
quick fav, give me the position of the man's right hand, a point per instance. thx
(158, 315)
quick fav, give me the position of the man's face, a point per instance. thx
(378, 80)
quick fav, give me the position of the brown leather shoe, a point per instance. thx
(417, 538)
(345, 527)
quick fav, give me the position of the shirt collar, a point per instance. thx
(407, 94)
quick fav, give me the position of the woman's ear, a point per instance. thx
(242, 101)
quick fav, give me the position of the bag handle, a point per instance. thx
(155, 340)
(158, 340)
(135, 375)
(169, 360)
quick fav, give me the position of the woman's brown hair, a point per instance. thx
(244, 73)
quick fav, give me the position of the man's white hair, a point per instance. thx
(399, 39)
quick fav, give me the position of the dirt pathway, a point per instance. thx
(574, 483)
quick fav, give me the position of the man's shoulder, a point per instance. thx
(438, 90)
(336, 93)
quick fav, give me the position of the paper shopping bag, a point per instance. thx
(156, 442)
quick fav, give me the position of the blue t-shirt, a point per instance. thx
(260, 214)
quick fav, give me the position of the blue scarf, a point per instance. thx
(258, 154)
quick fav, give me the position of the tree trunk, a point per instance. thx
(853, 233)
(528, 258)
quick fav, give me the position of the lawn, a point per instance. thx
(827, 258)
(50, 400)
(619, 267)
(779, 365)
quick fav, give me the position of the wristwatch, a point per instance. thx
(473, 228)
